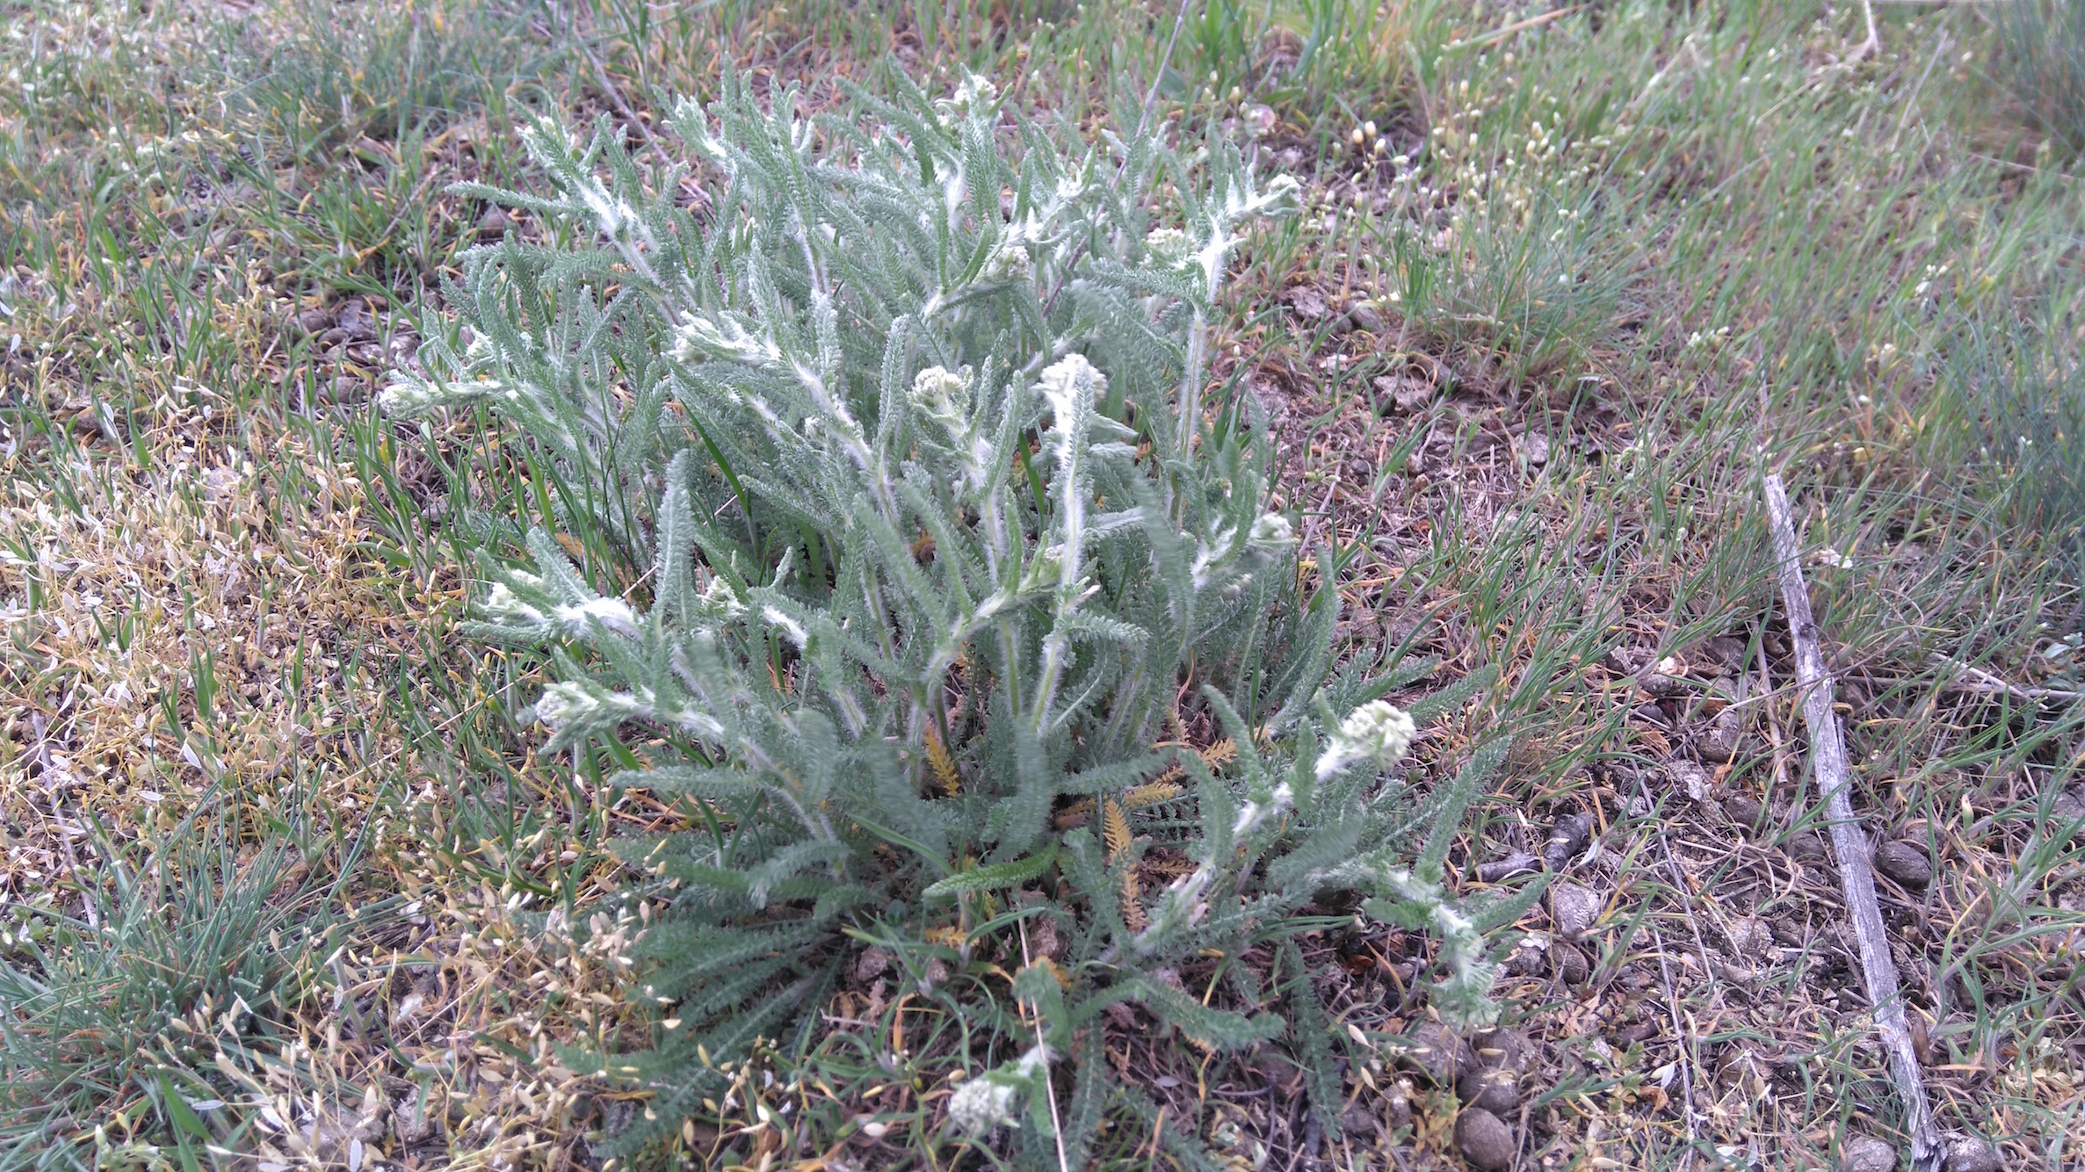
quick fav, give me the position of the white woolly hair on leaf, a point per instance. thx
(612, 613)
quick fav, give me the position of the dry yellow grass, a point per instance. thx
(181, 636)
(430, 1030)
(159, 579)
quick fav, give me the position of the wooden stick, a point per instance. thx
(1856, 871)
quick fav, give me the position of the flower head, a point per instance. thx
(565, 703)
(1378, 731)
(719, 602)
(1170, 247)
(1272, 531)
(987, 1101)
(943, 395)
(1062, 379)
(982, 1104)
(973, 97)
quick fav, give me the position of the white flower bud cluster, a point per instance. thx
(567, 706)
(1272, 531)
(720, 603)
(1378, 731)
(1010, 262)
(944, 396)
(521, 602)
(1064, 383)
(987, 1101)
(1060, 380)
(974, 96)
(1170, 247)
(408, 397)
(1253, 813)
(564, 704)
(1463, 996)
(503, 606)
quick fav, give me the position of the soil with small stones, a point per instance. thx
(1690, 881)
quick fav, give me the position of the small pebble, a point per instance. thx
(1749, 937)
(1805, 847)
(1406, 393)
(1486, 1142)
(1727, 651)
(1626, 661)
(1436, 1053)
(1743, 811)
(1528, 958)
(2067, 808)
(355, 321)
(1493, 1081)
(1572, 909)
(1365, 317)
(1688, 778)
(1497, 1091)
(1571, 964)
(1664, 687)
(1725, 734)
(1397, 1105)
(1905, 863)
(1359, 1121)
(494, 222)
(1502, 1048)
(1308, 303)
(1566, 839)
(1967, 1153)
(1865, 1153)
(1650, 713)
(872, 963)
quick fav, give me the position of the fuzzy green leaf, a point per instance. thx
(992, 877)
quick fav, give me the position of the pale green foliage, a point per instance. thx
(907, 426)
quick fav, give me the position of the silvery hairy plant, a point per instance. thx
(960, 607)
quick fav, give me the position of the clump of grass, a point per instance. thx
(2041, 62)
(318, 81)
(2017, 382)
(114, 1014)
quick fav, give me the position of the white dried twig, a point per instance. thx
(1871, 46)
(1978, 681)
(1856, 871)
(1056, 1123)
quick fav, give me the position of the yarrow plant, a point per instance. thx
(959, 613)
